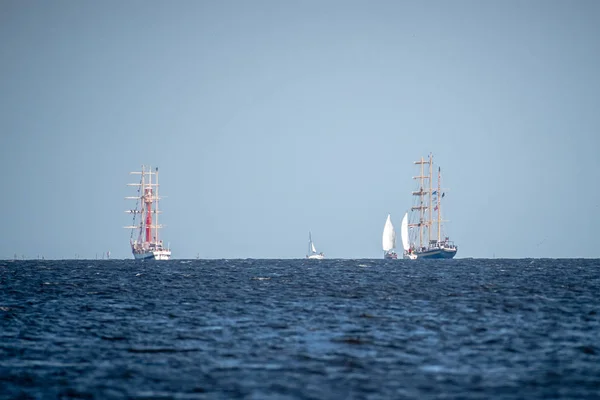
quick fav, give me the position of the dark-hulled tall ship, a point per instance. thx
(426, 236)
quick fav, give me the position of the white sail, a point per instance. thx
(312, 252)
(404, 232)
(388, 240)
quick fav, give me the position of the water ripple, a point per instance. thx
(292, 329)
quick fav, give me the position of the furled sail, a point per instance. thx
(404, 232)
(389, 235)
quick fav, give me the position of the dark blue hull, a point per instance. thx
(437, 254)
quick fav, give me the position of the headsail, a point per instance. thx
(404, 232)
(312, 252)
(311, 246)
(388, 240)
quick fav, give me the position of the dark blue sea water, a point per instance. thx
(294, 329)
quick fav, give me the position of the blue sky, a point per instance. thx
(268, 119)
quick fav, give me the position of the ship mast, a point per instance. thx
(148, 202)
(156, 207)
(430, 221)
(422, 206)
(439, 205)
(421, 209)
(147, 197)
(143, 206)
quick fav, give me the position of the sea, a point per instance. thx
(300, 329)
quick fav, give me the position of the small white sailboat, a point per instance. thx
(312, 252)
(388, 240)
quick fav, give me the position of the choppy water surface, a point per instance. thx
(270, 329)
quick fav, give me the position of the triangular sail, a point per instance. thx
(404, 232)
(311, 246)
(388, 240)
(312, 252)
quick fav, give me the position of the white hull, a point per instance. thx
(316, 257)
(153, 255)
(411, 256)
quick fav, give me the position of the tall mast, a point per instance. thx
(143, 205)
(156, 207)
(147, 195)
(148, 204)
(422, 206)
(421, 210)
(429, 221)
(439, 205)
(141, 190)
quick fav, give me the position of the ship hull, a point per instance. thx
(153, 255)
(390, 256)
(436, 254)
(315, 257)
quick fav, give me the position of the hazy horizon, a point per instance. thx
(271, 119)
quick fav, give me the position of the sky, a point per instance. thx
(269, 119)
